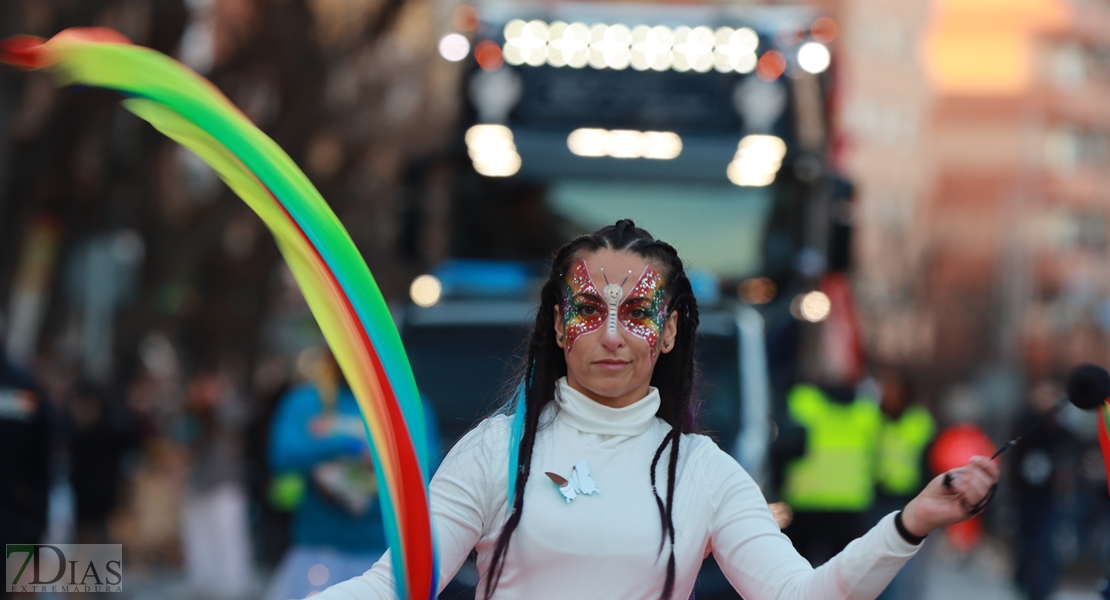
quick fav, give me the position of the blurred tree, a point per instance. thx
(353, 90)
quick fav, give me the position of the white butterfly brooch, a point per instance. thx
(580, 482)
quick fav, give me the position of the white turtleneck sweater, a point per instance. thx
(607, 544)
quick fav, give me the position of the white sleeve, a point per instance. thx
(465, 498)
(762, 564)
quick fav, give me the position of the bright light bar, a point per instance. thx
(589, 142)
(757, 161)
(734, 50)
(526, 43)
(642, 47)
(568, 45)
(625, 143)
(767, 148)
(492, 150)
(693, 49)
(609, 47)
(662, 145)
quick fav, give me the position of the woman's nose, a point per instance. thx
(611, 337)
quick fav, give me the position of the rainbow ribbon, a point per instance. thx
(1104, 436)
(335, 280)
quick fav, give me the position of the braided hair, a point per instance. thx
(544, 364)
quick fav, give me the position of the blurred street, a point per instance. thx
(986, 575)
(983, 576)
(888, 224)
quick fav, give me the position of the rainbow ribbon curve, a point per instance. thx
(1104, 436)
(329, 270)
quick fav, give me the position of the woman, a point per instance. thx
(615, 497)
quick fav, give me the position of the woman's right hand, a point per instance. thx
(951, 497)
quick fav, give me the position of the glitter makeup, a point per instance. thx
(644, 312)
(584, 310)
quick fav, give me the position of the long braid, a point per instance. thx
(545, 364)
(683, 377)
(672, 466)
(668, 528)
(666, 511)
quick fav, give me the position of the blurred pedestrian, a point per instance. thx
(215, 532)
(270, 522)
(905, 433)
(321, 460)
(103, 430)
(24, 446)
(831, 487)
(1038, 465)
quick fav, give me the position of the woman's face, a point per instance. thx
(612, 325)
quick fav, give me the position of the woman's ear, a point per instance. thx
(670, 330)
(560, 331)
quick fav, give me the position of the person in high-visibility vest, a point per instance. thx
(907, 430)
(831, 486)
(905, 434)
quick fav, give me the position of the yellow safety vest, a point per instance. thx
(836, 473)
(900, 446)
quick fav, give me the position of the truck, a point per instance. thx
(707, 125)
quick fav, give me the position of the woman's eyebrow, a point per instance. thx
(590, 296)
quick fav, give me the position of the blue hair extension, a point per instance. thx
(516, 432)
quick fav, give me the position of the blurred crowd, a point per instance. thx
(849, 456)
(263, 486)
(208, 473)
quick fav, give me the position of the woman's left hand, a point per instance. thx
(941, 504)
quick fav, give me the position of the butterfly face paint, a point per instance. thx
(586, 310)
(583, 309)
(645, 312)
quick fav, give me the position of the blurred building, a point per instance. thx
(100, 216)
(884, 106)
(125, 262)
(978, 133)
